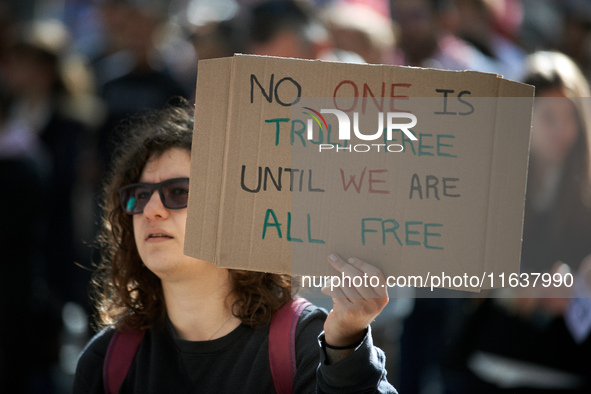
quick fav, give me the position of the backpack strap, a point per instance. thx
(120, 355)
(282, 344)
(123, 347)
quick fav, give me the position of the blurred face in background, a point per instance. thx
(130, 27)
(555, 127)
(28, 72)
(285, 43)
(418, 30)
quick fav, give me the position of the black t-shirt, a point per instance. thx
(235, 363)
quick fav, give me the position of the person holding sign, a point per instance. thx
(173, 323)
(532, 338)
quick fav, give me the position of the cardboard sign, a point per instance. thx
(275, 188)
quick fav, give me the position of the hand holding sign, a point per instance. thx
(357, 300)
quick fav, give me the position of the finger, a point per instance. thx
(349, 278)
(375, 279)
(336, 293)
(346, 288)
(356, 282)
(352, 285)
(366, 268)
(357, 287)
(351, 292)
(342, 266)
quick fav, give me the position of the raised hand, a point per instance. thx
(356, 302)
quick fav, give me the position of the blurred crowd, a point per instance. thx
(72, 71)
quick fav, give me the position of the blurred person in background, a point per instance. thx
(211, 29)
(426, 37)
(132, 74)
(7, 30)
(48, 101)
(285, 29)
(29, 332)
(488, 25)
(536, 17)
(518, 342)
(290, 29)
(362, 29)
(214, 39)
(48, 120)
(557, 224)
(576, 32)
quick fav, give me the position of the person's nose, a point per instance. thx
(155, 208)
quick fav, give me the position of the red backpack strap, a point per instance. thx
(120, 355)
(282, 344)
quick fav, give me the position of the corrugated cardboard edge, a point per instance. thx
(508, 178)
(222, 179)
(207, 154)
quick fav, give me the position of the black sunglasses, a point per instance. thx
(174, 194)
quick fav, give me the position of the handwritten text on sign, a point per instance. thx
(349, 96)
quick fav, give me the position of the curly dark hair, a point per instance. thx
(128, 295)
